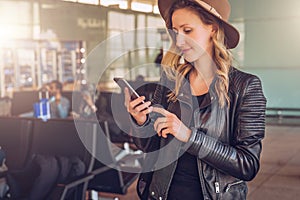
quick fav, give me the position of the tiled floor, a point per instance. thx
(279, 176)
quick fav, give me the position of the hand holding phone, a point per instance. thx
(136, 106)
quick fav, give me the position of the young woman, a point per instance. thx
(211, 115)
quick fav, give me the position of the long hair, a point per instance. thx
(221, 55)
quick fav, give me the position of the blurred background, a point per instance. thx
(46, 40)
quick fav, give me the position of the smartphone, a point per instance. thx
(123, 83)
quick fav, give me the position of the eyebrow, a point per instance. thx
(182, 26)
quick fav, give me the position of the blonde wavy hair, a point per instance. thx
(221, 55)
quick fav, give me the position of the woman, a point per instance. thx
(212, 112)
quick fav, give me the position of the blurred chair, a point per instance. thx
(111, 108)
(123, 166)
(22, 102)
(23, 138)
(66, 138)
(5, 106)
(15, 140)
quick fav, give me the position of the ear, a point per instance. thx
(214, 29)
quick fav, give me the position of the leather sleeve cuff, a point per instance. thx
(138, 129)
(195, 142)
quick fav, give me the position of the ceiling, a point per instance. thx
(146, 1)
(153, 2)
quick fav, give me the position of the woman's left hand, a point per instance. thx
(170, 124)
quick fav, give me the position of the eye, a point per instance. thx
(187, 30)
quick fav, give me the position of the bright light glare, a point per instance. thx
(141, 7)
(155, 9)
(89, 1)
(15, 26)
(82, 50)
(122, 4)
(10, 32)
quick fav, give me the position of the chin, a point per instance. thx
(190, 59)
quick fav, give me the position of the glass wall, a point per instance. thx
(134, 40)
(43, 40)
(16, 17)
(122, 4)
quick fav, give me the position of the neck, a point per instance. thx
(202, 75)
(204, 69)
(58, 95)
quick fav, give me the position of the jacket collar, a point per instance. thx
(185, 94)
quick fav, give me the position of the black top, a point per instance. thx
(185, 183)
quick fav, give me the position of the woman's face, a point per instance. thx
(193, 37)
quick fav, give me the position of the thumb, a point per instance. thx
(127, 97)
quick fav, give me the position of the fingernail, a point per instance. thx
(151, 109)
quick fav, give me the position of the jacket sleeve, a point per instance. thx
(241, 158)
(144, 137)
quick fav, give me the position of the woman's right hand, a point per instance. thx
(137, 108)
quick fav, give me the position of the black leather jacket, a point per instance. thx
(227, 141)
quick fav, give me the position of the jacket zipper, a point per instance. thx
(217, 186)
(232, 184)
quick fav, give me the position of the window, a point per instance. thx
(17, 25)
(143, 7)
(239, 51)
(95, 2)
(122, 3)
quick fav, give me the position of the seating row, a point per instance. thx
(21, 138)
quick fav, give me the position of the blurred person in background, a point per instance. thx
(59, 105)
(87, 107)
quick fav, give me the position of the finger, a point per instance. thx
(127, 97)
(136, 102)
(147, 110)
(158, 121)
(159, 134)
(161, 111)
(162, 126)
(143, 106)
(165, 132)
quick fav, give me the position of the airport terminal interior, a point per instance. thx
(80, 46)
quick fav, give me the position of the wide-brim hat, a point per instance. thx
(218, 8)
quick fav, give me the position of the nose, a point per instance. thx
(180, 40)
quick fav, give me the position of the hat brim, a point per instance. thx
(232, 35)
